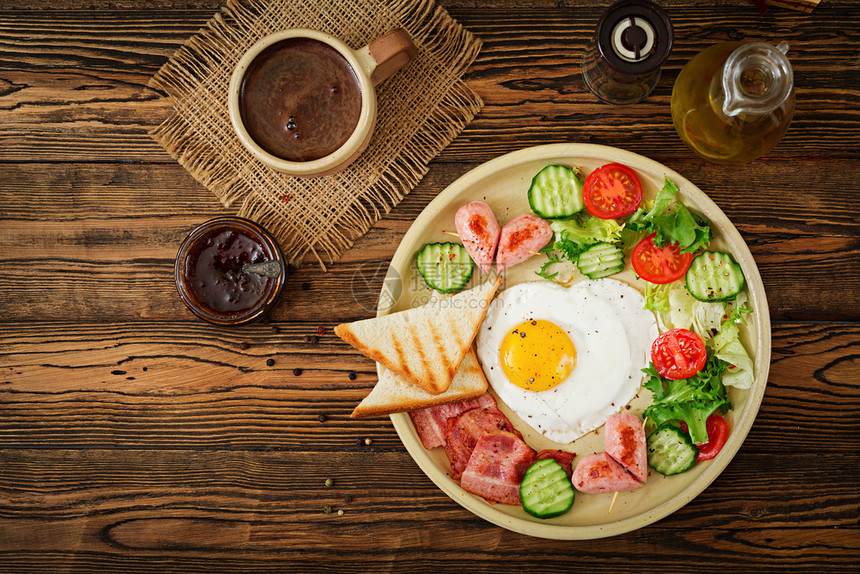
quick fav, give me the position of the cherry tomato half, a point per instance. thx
(678, 354)
(659, 264)
(612, 190)
(718, 433)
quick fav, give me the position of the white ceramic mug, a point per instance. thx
(277, 131)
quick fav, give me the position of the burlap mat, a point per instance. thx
(421, 109)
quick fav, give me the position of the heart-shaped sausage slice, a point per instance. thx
(479, 231)
(625, 442)
(599, 473)
(521, 238)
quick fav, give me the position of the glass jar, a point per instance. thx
(733, 102)
(211, 271)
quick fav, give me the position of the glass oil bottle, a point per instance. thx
(733, 101)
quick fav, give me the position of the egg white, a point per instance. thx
(612, 333)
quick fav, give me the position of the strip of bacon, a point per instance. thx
(464, 431)
(431, 423)
(497, 466)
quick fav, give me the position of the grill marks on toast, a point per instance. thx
(426, 367)
(401, 357)
(443, 352)
(424, 345)
(457, 334)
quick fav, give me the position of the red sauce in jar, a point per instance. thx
(209, 271)
(214, 271)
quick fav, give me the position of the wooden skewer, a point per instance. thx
(614, 496)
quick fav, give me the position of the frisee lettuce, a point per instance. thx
(671, 221)
(574, 235)
(552, 258)
(690, 400)
(657, 297)
(586, 230)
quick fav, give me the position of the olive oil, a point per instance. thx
(733, 102)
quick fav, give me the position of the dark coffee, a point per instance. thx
(300, 99)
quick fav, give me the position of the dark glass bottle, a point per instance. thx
(622, 61)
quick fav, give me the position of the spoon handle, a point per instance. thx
(266, 268)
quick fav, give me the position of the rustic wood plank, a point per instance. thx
(527, 73)
(766, 193)
(73, 486)
(98, 243)
(451, 5)
(77, 80)
(136, 438)
(82, 271)
(765, 196)
(188, 386)
(144, 506)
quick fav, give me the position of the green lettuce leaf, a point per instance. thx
(740, 371)
(657, 297)
(672, 221)
(576, 234)
(729, 348)
(690, 400)
(586, 231)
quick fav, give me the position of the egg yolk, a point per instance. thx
(537, 355)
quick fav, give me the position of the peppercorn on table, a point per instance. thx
(136, 437)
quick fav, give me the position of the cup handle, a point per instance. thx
(387, 54)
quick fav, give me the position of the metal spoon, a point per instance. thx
(266, 268)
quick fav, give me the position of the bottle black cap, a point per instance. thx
(634, 37)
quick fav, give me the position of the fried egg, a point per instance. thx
(565, 358)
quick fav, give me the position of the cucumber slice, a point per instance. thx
(546, 490)
(445, 267)
(600, 260)
(714, 276)
(556, 191)
(670, 450)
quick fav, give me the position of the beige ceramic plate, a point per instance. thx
(503, 184)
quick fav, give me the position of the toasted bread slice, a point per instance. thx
(393, 394)
(424, 345)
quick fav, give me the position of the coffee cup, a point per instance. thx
(304, 103)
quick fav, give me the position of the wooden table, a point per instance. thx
(136, 438)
